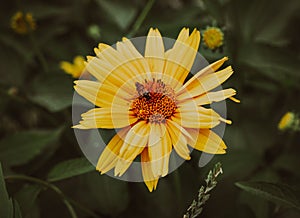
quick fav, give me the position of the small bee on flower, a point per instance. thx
(22, 23)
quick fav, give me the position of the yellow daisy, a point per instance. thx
(22, 23)
(146, 99)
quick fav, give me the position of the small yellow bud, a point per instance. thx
(289, 121)
(213, 37)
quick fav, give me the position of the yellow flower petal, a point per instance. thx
(234, 100)
(76, 68)
(180, 59)
(192, 116)
(108, 95)
(79, 62)
(114, 74)
(133, 57)
(109, 157)
(287, 121)
(166, 149)
(159, 147)
(179, 140)
(116, 67)
(134, 143)
(109, 118)
(136, 137)
(154, 52)
(205, 71)
(123, 164)
(207, 141)
(206, 83)
(211, 97)
(122, 74)
(149, 179)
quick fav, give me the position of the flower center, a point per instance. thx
(155, 101)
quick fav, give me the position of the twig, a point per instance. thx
(197, 205)
(137, 24)
(47, 185)
(38, 52)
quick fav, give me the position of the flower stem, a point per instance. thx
(83, 208)
(66, 200)
(139, 21)
(38, 52)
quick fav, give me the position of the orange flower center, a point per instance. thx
(155, 101)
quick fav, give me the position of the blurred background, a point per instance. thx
(44, 170)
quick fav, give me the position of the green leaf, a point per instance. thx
(271, 29)
(259, 206)
(278, 64)
(278, 194)
(122, 14)
(169, 23)
(70, 168)
(245, 162)
(41, 12)
(22, 147)
(289, 162)
(17, 211)
(11, 61)
(6, 203)
(17, 45)
(27, 197)
(214, 8)
(53, 92)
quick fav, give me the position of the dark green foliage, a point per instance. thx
(70, 168)
(45, 174)
(6, 202)
(279, 194)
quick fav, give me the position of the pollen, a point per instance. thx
(154, 102)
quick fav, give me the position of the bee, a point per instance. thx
(147, 95)
(143, 93)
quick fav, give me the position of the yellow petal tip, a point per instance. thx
(234, 100)
(225, 121)
(89, 58)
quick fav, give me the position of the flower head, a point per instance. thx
(22, 23)
(289, 121)
(213, 37)
(76, 68)
(145, 97)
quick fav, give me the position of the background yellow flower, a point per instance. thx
(213, 37)
(76, 68)
(22, 23)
